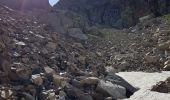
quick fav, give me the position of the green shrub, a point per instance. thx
(167, 17)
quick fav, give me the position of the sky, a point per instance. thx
(53, 2)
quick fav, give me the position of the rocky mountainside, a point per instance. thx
(39, 64)
(115, 13)
(70, 53)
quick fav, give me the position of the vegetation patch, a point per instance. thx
(167, 17)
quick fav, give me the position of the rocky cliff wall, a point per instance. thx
(117, 13)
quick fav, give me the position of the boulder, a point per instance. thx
(115, 79)
(77, 93)
(28, 96)
(24, 73)
(114, 90)
(51, 46)
(145, 18)
(51, 96)
(48, 95)
(6, 93)
(89, 81)
(77, 33)
(37, 79)
(167, 62)
(62, 95)
(109, 70)
(60, 81)
(124, 65)
(49, 70)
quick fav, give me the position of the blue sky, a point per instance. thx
(53, 2)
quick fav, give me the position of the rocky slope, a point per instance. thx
(39, 64)
(77, 61)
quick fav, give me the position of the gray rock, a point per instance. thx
(49, 70)
(115, 79)
(51, 46)
(145, 18)
(77, 33)
(114, 90)
(6, 93)
(109, 69)
(167, 67)
(62, 95)
(164, 46)
(28, 96)
(124, 65)
(151, 59)
(89, 81)
(86, 97)
(37, 79)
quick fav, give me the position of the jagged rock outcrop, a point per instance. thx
(117, 13)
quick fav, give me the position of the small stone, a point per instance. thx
(167, 67)
(62, 95)
(51, 46)
(82, 59)
(44, 51)
(167, 53)
(167, 62)
(164, 46)
(75, 83)
(109, 98)
(28, 96)
(90, 81)
(60, 81)
(37, 79)
(76, 92)
(49, 70)
(86, 97)
(24, 73)
(20, 43)
(151, 59)
(48, 95)
(99, 54)
(109, 69)
(124, 65)
(51, 96)
(6, 93)
(78, 45)
(25, 60)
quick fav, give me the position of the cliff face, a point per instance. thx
(112, 13)
(118, 13)
(26, 4)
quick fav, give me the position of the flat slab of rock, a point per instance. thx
(144, 94)
(145, 81)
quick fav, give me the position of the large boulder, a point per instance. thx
(114, 90)
(77, 33)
